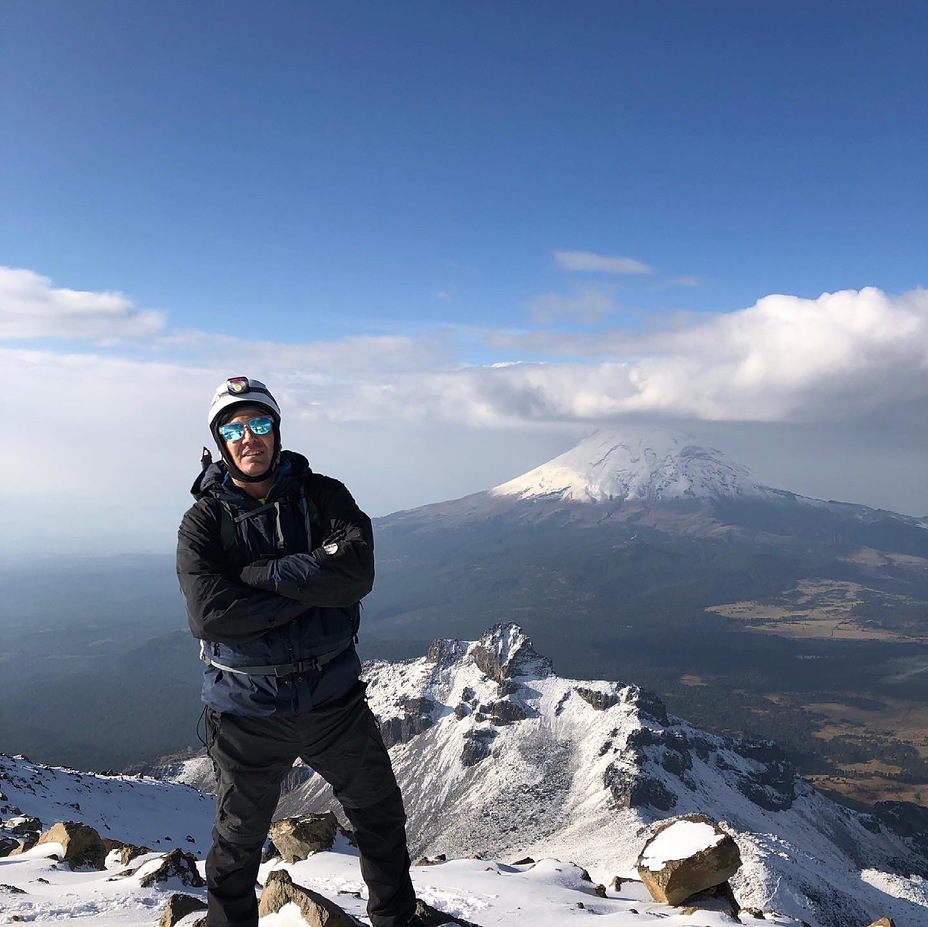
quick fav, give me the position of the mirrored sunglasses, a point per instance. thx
(235, 431)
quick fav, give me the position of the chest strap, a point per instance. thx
(277, 669)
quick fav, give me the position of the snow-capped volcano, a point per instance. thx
(648, 465)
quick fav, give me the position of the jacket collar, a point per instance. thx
(216, 480)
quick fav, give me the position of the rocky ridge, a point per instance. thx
(499, 756)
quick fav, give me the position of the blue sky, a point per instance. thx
(636, 206)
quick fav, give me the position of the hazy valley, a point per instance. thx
(749, 611)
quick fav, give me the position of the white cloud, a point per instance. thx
(115, 441)
(586, 305)
(603, 263)
(845, 355)
(341, 360)
(32, 307)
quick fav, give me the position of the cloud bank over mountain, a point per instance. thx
(105, 379)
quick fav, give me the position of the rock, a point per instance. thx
(126, 852)
(317, 911)
(671, 880)
(445, 652)
(81, 844)
(631, 788)
(178, 907)
(773, 786)
(269, 852)
(883, 922)
(477, 746)
(648, 704)
(7, 845)
(906, 819)
(711, 897)
(25, 826)
(665, 747)
(599, 700)
(299, 773)
(433, 861)
(19, 834)
(505, 652)
(417, 718)
(432, 917)
(129, 852)
(298, 838)
(175, 865)
(505, 712)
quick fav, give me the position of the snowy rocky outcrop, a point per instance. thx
(649, 466)
(498, 756)
(34, 797)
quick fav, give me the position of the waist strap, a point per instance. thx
(277, 669)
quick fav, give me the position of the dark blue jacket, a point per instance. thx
(274, 584)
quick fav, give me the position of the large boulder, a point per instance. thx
(687, 855)
(298, 838)
(81, 844)
(316, 910)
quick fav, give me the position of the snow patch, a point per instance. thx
(680, 840)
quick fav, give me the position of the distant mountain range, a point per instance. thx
(617, 531)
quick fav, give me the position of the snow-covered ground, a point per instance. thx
(37, 890)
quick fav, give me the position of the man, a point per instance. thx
(273, 560)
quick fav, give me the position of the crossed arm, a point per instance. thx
(272, 592)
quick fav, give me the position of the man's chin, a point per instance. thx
(253, 467)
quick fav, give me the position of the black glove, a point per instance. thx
(255, 573)
(342, 533)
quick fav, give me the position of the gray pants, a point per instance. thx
(341, 741)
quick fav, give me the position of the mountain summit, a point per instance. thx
(648, 466)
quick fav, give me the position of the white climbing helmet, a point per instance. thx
(239, 390)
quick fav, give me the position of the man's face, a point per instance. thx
(253, 453)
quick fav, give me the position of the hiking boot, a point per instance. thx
(417, 921)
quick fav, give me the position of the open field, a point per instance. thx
(826, 609)
(885, 730)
